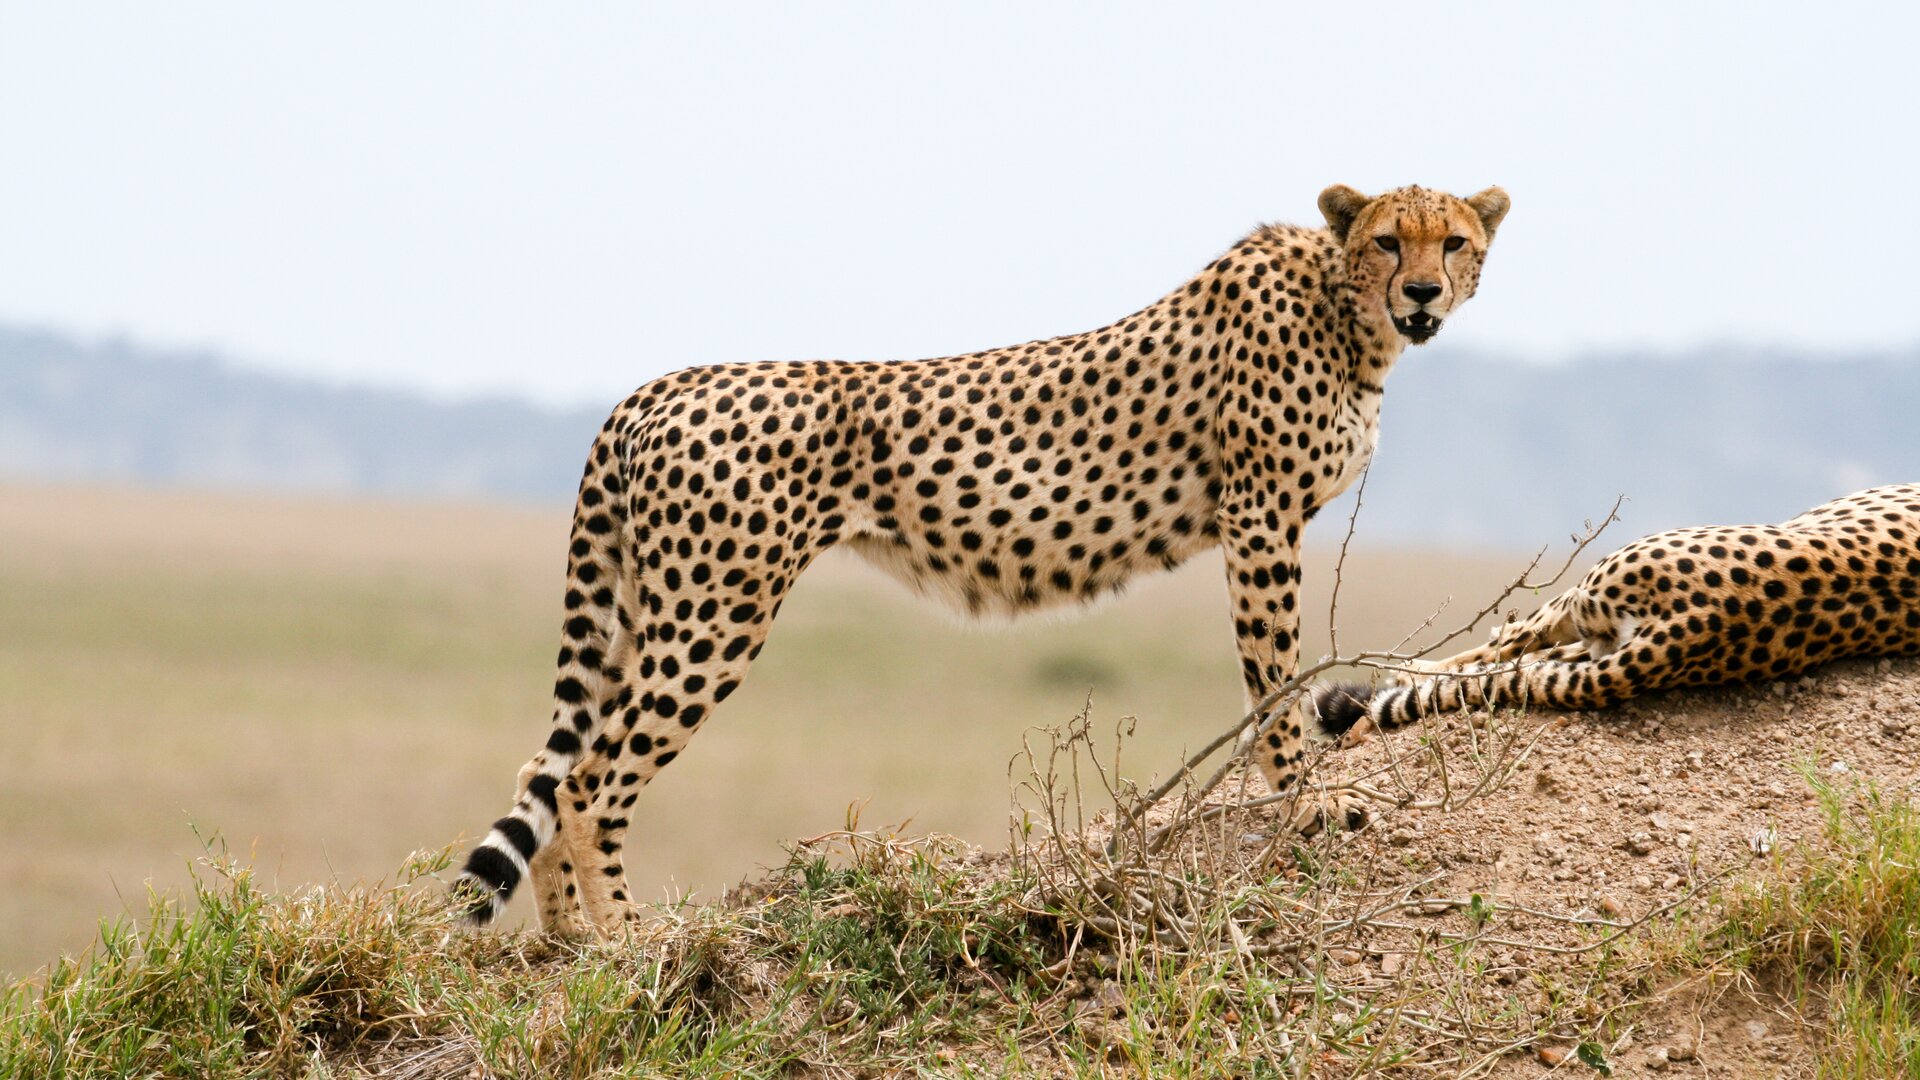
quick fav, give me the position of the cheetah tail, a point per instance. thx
(1339, 706)
(498, 864)
(1548, 683)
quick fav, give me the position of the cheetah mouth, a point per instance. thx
(1418, 327)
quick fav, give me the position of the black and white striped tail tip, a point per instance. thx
(1339, 706)
(482, 889)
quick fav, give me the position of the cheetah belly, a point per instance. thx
(956, 583)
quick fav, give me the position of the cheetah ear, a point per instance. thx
(1491, 205)
(1341, 205)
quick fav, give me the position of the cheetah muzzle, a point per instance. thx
(1006, 481)
(1419, 327)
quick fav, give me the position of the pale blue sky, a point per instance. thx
(566, 201)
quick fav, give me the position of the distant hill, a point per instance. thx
(116, 411)
(1477, 452)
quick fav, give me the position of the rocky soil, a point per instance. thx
(1617, 817)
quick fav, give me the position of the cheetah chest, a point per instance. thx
(1355, 440)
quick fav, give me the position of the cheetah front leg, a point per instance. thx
(1263, 581)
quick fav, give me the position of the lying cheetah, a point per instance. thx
(1001, 482)
(1691, 607)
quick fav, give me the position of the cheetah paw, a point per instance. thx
(1343, 811)
(613, 920)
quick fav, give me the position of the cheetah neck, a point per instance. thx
(1293, 278)
(1284, 322)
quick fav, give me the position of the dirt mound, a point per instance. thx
(1623, 817)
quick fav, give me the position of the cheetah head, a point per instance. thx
(1413, 255)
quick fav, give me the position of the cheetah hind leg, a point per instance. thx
(551, 869)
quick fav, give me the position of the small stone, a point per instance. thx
(1109, 1036)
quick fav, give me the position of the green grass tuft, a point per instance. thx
(1838, 926)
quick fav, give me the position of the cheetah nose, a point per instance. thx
(1421, 292)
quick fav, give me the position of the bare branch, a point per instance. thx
(1340, 564)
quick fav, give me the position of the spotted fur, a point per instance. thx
(1691, 607)
(1000, 482)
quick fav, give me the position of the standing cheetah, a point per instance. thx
(1691, 607)
(1000, 481)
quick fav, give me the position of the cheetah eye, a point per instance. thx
(1455, 243)
(1388, 244)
